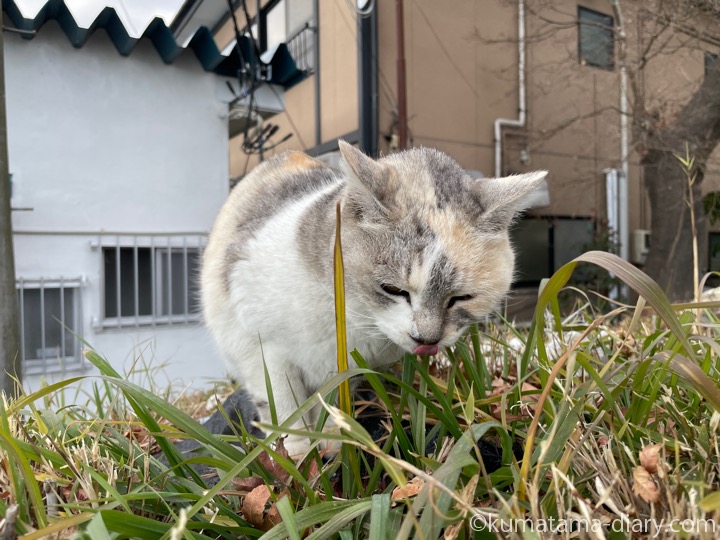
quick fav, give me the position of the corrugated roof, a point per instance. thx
(284, 70)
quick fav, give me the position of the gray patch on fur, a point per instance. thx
(295, 185)
(442, 277)
(461, 317)
(313, 232)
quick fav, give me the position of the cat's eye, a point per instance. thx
(395, 291)
(462, 298)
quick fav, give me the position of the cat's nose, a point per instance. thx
(424, 341)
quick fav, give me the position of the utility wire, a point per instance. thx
(257, 73)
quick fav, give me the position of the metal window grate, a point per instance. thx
(50, 325)
(150, 280)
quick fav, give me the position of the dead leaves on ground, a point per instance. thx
(530, 396)
(260, 510)
(410, 489)
(259, 505)
(644, 485)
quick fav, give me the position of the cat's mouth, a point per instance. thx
(426, 350)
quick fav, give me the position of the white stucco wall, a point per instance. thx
(104, 143)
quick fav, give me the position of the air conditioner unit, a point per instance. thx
(640, 246)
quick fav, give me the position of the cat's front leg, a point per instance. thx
(287, 392)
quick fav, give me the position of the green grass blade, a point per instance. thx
(288, 517)
(380, 518)
(340, 520)
(692, 373)
(17, 456)
(433, 507)
(642, 284)
(319, 513)
(340, 323)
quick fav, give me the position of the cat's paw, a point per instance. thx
(296, 446)
(329, 447)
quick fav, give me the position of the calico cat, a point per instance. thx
(426, 254)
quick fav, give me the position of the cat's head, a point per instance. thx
(426, 247)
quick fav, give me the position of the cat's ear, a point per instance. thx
(371, 186)
(503, 198)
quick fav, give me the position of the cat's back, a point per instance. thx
(270, 187)
(261, 198)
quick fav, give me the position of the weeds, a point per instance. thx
(585, 425)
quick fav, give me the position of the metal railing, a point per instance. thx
(301, 46)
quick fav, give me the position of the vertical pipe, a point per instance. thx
(522, 99)
(401, 82)
(318, 110)
(368, 84)
(623, 191)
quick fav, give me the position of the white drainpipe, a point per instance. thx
(522, 109)
(623, 192)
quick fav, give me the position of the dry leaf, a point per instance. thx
(253, 508)
(499, 387)
(534, 397)
(272, 518)
(649, 457)
(453, 531)
(410, 489)
(645, 486)
(247, 484)
(313, 470)
(272, 466)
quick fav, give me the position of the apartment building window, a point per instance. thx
(710, 60)
(596, 39)
(50, 324)
(155, 284)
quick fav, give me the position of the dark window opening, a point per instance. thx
(151, 283)
(710, 60)
(596, 39)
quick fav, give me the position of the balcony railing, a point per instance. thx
(302, 47)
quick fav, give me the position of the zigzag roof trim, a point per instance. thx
(284, 70)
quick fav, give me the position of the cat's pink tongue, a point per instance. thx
(426, 350)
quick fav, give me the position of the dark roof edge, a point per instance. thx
(202, 42)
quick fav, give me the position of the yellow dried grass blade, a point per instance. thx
(340, 328)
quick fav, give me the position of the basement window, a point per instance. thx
(50, 325)
(596, 39)
(151, 285)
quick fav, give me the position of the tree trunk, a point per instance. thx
(10, 365)
(670, 261)
(696, 129)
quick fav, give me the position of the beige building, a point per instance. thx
(543, 74)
